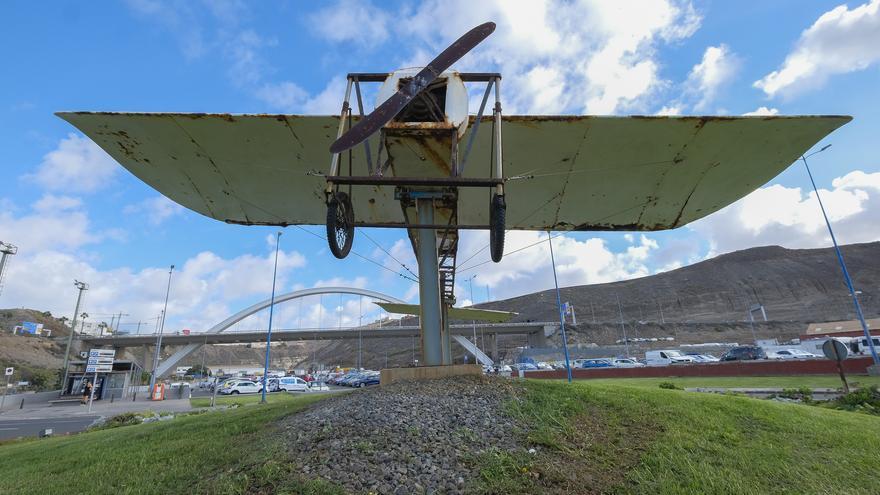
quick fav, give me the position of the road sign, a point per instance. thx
(104, 353)
(835, 350)
(99, 368)
(100, 360)
(9, 371)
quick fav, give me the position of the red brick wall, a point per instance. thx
(728, 368)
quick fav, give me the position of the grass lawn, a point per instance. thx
(812, 381)
(602, 437)
(227, 400)
(591, 437)
(219, 453)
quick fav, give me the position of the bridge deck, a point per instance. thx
(283, 335)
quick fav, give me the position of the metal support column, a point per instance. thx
(429, 287)
(445, 337)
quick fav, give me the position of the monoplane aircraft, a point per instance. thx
(419, 161)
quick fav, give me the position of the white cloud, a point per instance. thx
(716, 69)
(590, 261)
(763, 111)
(594, 56)
(790, 217)
(357, 21)
(53, 222)
(205, 289)
(669, 110)
(840, 41)
(156, 209)
(77, 165)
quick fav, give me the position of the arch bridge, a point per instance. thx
(537, 331)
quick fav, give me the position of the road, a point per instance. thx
(13, 428)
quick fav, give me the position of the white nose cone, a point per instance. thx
(456, 96)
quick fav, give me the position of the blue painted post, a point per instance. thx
(271, 311)
(849, 284)
(559, 305)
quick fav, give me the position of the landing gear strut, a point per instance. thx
(340, 224)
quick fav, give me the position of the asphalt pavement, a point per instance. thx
(15, 428)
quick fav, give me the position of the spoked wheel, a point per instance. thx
(497, 213)
(340, 224)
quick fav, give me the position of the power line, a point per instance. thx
(380, 265)
(389, 254)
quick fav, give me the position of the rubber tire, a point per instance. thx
(340, 200)
(362, 385)
(497, 215)
(234, 392)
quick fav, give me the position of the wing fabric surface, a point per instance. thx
(454, 313)
(566, 172)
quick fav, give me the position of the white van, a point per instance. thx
(292, 384)
(665, 357)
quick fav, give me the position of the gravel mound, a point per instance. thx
(405, 438)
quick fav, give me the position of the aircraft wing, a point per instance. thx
(565, 172)
(454, 313)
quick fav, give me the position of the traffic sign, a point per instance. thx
(9, 371)
(835, 350)
(99, 360)
(104, 353)
(99, 368)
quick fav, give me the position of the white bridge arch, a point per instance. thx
(171, 362)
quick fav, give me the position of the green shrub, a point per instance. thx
(669, 386)
(804, 394)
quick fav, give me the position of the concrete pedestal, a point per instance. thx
(393, 375)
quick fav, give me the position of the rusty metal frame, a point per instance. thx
(375, 175)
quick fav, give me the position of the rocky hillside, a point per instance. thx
(796, 285)
(703, 302)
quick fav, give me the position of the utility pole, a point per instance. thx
(271, 312)
(360, 337)
(473, 322)
(849, 284)
(559, 308)
(622, 326)
(159, 336)
(81, 287)
(6, 250)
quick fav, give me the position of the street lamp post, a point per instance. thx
(271, 312)
(159, 335)
(846, 277)
(559, 307)
(81, 286)
(473, 322)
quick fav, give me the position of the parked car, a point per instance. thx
(667, 356)
(744, 353)
(703, 358)
(366, 379)
(791, 354)
(596, 363)
(292, 384)
(625, 363)
(235, 387)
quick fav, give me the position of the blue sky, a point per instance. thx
(75, 214)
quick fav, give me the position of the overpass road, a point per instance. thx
(544, 329)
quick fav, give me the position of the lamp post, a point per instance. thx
(81, 287)
(271, 312)
(840, 260)
(559, 306)
(473, 322)
(159, 335)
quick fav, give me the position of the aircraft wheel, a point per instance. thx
(340, 225)
(497, 214)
